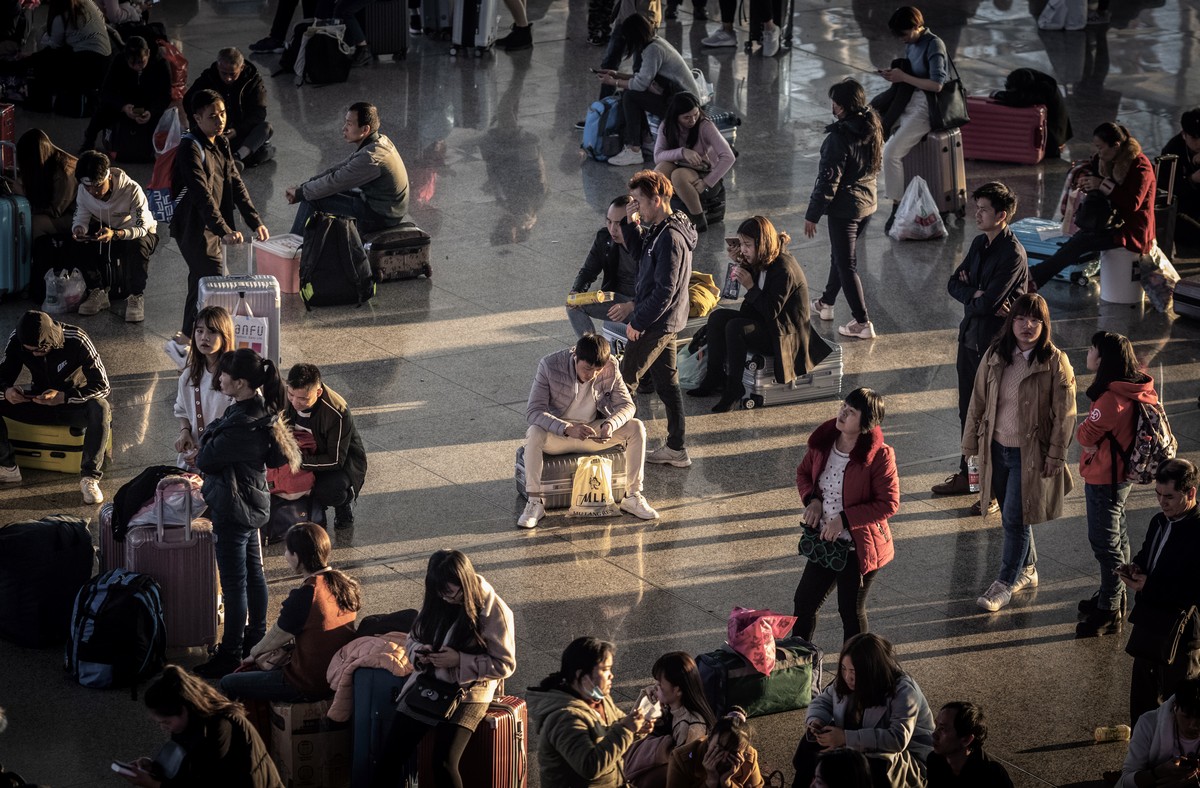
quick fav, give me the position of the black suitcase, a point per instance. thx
(399, 253)
(386, 24)
(1166, 207)
(43, 564)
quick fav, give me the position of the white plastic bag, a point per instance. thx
(705, 87)
(591, 490)
(74, 290)
(917, 218)
(1159, 278)
(56, 284)
(168, 132)
(691, 367)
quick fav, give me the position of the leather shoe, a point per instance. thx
(707, 388)
(977, 508)
(956, 484)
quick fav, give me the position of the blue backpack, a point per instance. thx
(602, 129)
(118, 636)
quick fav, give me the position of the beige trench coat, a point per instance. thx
(1047, 418)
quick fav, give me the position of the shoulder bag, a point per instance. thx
(431, 700)
(1158, 633)
(830, 555)
(948, 107)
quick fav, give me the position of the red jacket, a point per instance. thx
(1114, 412)
(1133, 198)
(870, 490)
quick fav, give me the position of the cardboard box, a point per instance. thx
(306, 751)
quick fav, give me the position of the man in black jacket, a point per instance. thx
(958, 758)
(1165, 641)
(241, 87)
(70, 386)
(1186, 145)
(135, 94)
(609, 259)
(991, 277)
(339, 460)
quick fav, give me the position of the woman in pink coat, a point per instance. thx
(849, 486)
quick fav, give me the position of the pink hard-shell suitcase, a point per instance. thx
(183, 562)
(1002, 133)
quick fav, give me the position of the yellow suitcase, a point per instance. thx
(49, 447)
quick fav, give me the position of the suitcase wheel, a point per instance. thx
(453, 51)
(749, 47)
(1080, 278)
(428, 272)
(750, 403)
(755, 363)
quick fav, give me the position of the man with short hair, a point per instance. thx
(339, 461)
(70, 386)
(135, 94)
(1186, 145)
(662, 242)
(1163, 748)
(370, 186)
(1165, 641)
(991, 276)
(578, 403)
(958, 759)
(113, 226)
(241, 87)
(609, 259)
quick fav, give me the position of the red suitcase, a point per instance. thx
(8, 134)
(496, 756)
(1001, 133)
(183, 562)
(938, 158)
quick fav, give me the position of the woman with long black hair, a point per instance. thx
(47, 179)
(463, 636)
(851, 156)
(692, 153)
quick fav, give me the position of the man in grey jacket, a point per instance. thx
(579, 403)
(370, 186)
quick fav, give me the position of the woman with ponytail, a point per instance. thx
(845, 192)
(723, 759)
(235, 452)
(317, 619)
(214, 745)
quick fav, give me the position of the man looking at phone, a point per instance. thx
(69, 386)
(662, 243)
(1159, 752)
(579, 403)
(1165, 641)
(134, 96)
(610, 259)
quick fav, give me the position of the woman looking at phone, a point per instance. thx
(773, 318)
(692, 153)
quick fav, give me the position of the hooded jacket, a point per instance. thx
(1131, 186)
(1152, 743)
(578, 747)
(603, 260)
(554, 389)
(1113, 413)
(376, 169)
(208, 186)
(845, 187)
(223, 750)
(870, 490)
(245, 98)
(234, 454)
(125, 209)
(338, 442)
(149, 88)
(72, 366)
(664, 255)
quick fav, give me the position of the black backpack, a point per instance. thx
(118, 636)
(326, 59)
(334, 268)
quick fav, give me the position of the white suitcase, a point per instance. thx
(823, 382)
(261, 295)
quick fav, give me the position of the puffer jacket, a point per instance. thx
(870, 490)
(554, 390)
(1114, 412)
(385, 652)
(845, 187)
(235, 452)
(578, 746)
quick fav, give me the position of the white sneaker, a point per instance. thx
(96, 302)
(534, 510)
(91, 490)
(176, 349)
(665, 455)
(770, 41)
(636, 505)
(997, 596)
(135, 309)
(857, 330)
(10, 475)
(626, 158)
(822, 310)
(1027, 579)
(721, 38)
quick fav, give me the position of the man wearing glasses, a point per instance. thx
(240, 86)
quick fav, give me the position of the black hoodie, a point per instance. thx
(845, 187)
(245, 98)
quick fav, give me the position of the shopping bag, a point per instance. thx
(752, 634)
(74, 289)
(1074, 197)
(56, 285)
(917, 218)
(167, 133)
(1159, 278)
(591, 492)
(166, 145)
(690, 366)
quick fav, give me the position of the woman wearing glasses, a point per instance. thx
(1019, 425)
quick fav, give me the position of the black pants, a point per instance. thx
(730, 337)
(654, 352)
(202, 253)
(843, 265)
(1153, 682)
(402, 741)
(94, 416)
(805, 764)
(966, 365)
(760, 11)
(1071, 253)
(332, 488)
(817, 583)
(101, 264)
(634, 106)
(281, 27)
(253, 139)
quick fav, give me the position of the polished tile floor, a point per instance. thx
(437, 373)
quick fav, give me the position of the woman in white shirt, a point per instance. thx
(198, 402)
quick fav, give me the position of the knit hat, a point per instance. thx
(38, 329)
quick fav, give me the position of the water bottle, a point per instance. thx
(973, 474)
(1112, 733)
(593, 297)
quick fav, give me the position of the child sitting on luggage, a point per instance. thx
(317, 619)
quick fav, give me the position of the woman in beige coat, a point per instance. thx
(1019, 425)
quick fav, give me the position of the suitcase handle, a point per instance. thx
(164, 484)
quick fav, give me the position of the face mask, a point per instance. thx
(595, 692)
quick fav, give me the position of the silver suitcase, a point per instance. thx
(558, 475)
(1187, 298)
(823, 382)
(475, 26)
(261, 294)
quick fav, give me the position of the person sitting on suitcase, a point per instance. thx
(1186, 145)
(69, 386)
(135, 94)
(339, 461)
(240, 86)
(610, 259)
(579, 403)
(370, 186)
(114, 230)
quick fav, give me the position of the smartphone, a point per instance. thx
(27, 390)
(124, 769)
(139, 110)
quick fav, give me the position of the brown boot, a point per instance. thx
(956, 484)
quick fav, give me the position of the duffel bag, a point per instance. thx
(730, 680)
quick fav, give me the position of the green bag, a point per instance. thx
(729, 680)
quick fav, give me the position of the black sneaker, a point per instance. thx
(580, 125)
(343, 517)
(362, 56)
(267, 46)
(414, 24)
(218, 667)
(519, 38)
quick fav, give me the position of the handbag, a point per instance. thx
(830, 555)
(948, 107)
(1157, 633)
(431, 699)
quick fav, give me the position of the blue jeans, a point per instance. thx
(348, 204)
(1109, 537)
(261, 685)
(1018, 552)
(244, 587)
(581, 317)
